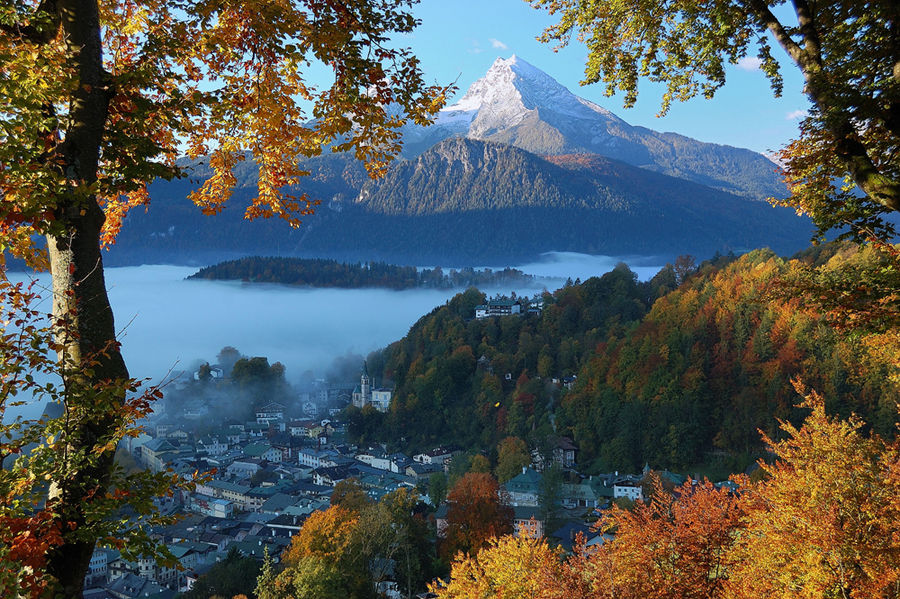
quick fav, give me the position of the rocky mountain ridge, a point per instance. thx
(518, 104)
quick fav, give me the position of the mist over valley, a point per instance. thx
(169, 325)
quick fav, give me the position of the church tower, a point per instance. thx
(365, 387)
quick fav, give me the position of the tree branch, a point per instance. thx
(876, 185)
(808, 30)
(771, 22)
(891, 113)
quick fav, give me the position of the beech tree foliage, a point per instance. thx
(512, 456)
(846, 51)
(100, 97)
(348, 549)
(675, 545)
(222, 80)
(507, 568)
(476, 514)
(822, 522)
(34, 453)
(826, 520)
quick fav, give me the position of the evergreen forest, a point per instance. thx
(318, 272)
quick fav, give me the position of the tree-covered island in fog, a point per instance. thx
(331, 273)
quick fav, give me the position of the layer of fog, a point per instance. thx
(168, 325)
(556, 267)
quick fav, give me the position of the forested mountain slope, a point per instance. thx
(464, 202)
(671, 376)
(710, 366)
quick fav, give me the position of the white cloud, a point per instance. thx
(474, 47)
(497, 44)
(749, 63)
(794, 115)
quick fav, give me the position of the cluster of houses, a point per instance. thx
(271, 473)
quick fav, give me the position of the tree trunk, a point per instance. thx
(93, 370)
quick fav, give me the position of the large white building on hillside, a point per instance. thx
(498, 307)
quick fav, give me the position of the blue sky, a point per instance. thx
(459, 39)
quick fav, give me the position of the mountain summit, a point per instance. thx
(518, 104)
(512, 92)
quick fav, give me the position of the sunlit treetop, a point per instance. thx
(217, 80)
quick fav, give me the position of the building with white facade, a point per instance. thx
(364, 395)
(271, 412)
(381, 399)
(632, 490)
(498, 307)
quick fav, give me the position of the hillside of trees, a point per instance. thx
(331, 273)
(819, 521)
(681, 371)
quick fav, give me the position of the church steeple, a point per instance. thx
(365, 387)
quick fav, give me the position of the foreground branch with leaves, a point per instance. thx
(99, 97)
(37, 519)
(846, 51)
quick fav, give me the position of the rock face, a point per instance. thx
(518, 104)
(587, 201)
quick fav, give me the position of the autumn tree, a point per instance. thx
(460, 465)
(323, 560)
(233, 576)
(259, 382)
(227, 358)
(684, 266)
(675, 546)
(476, 514)
(351, 495)
(825, 522)
(479, 463)
(507, 568)
(512, 456)
(346, 551)
(847, 53)
(97, 99)
(30, 453)
(392, 531)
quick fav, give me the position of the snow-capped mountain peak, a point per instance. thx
(518, 104)
(515, 83)
(498, 85)
(512, 93)
(511, 89)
